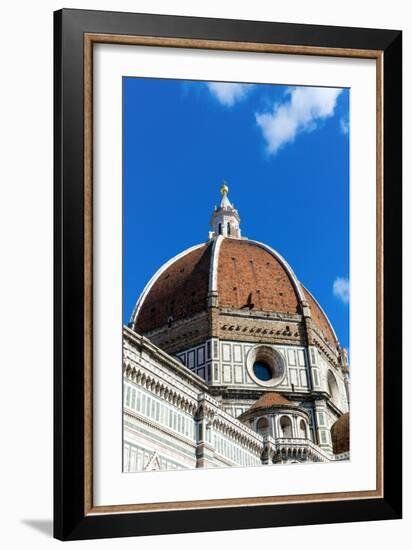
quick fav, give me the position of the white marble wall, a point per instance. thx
(341, 400)
(224, 363)
(198, 359)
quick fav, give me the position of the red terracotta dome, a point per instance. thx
(242, 274)
(340, 435)
(270, 399)
(249, 274)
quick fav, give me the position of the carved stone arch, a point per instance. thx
(286, 426)
(302, 428)
(333, 387)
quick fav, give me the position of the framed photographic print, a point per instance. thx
(227, 274)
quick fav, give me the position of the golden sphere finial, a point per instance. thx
(224, 189)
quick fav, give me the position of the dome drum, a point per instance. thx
(276, 416)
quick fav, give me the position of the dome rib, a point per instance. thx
(214, 263)
(320, 318)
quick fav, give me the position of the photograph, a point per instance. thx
(236, 274)
(227, 273)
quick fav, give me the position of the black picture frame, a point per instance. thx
(71, 521)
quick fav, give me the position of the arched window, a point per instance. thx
(286, 426)
(262, 426)
(228, 228)
(220, 229)
(333, 387)
(302, 429)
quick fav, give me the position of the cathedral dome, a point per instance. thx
(271, 399)
(244, 275)
(340, 434)
(231, 273)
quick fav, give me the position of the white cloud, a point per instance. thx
(344, 125)
(301, 111)
(341, 289)
(228, 93)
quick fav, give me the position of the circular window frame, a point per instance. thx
(272, 358)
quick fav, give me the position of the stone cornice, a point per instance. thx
(176, 324)
(262, 315)
(291, 447)
(164, 387)
(227, 424)
(150, 423)
(278, 409)
(319, 341)
(141, 344)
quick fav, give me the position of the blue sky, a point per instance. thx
(284, 152)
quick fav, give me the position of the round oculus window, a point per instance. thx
(265, 366)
